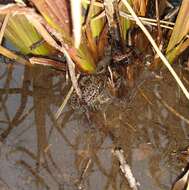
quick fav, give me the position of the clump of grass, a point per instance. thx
(79, 30)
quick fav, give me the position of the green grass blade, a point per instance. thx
(23, 35)
(180, 30)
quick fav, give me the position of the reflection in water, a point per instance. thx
(40, 152)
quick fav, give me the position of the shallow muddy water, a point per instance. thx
(38, 151)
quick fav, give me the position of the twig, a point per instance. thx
(125, 168)
(162, 57)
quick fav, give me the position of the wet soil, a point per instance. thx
(38, 151)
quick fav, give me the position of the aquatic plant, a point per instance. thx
(79, 30)
(80, 26)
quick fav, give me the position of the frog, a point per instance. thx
(94, 93)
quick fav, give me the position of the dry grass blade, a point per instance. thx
(162, 57)
(11, 55)
(56, 13)
(47, 62)
(71, 67)
(36, 21)
(82, 56)
(149, 21)
(181, 29)
(4, 27)
(76, 20)
(41, 29)
(109, 10)
(60, 110)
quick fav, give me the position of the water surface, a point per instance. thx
(40, 152)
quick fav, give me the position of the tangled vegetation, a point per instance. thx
(81, 31)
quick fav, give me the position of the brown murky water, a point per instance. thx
(39, 152)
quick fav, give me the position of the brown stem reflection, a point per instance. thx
(73, 153)
(19, 115)
(41, 182)
(41, 92)
(42, 97)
